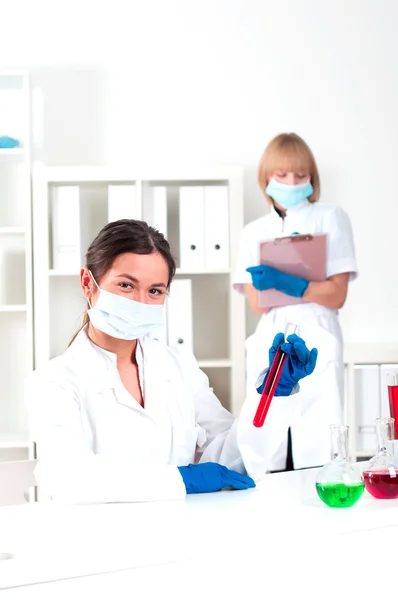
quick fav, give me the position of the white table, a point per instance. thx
(278, 534)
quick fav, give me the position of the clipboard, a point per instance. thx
(302, 255)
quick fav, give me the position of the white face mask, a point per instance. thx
(288, 195)
(123, 318)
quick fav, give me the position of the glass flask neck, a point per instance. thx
(339, 442)
(385, 430)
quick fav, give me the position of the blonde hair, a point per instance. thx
(288, 152)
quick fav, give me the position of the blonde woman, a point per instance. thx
(289, 178)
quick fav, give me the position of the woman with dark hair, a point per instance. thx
(120, 416)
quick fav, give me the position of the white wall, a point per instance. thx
(212, 81)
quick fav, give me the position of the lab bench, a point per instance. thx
(271, 542)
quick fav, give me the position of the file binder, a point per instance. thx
(192, 238)
(121, 202)
(155, 208)
(179, 315)
(66, 228)
(216, 227)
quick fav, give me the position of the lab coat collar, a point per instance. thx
(298, 208)
(291, 213)
(99, 366)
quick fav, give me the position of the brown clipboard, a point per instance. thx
(302, 255)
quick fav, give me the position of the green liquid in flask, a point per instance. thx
(339, 495)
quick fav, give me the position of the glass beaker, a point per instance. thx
(339, 483)
(381, 475)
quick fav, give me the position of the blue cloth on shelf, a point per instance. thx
(8, 142)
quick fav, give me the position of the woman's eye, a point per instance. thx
(156, 292)
(281, 174)
(300, 176)
(126, 286)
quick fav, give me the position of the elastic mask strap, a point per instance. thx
(93, 278)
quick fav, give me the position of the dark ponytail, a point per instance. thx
(119, 237)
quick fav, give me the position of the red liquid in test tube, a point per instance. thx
(273, 376)
(393, 398)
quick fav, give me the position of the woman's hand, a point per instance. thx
(300, 362)
(267, 278)
(212, 477)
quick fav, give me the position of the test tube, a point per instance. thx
(392, 385)
(273, 376)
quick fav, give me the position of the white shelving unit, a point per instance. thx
(366, 367)
(16, 308)
(218, 313)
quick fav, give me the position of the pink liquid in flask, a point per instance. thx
(381, 484)
(381, 476)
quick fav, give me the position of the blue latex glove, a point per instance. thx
(300, 363)
(267, 278)
(212, 477)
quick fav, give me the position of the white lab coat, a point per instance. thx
(97, 444)
(321, 394)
